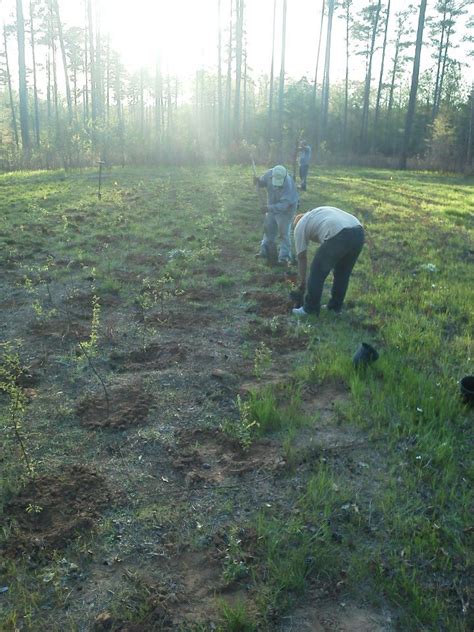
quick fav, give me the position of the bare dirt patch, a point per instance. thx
(52, 510)
(268, 305)
(183, 319)
(143, 259)
(202, 295)
(154, 357)
(277, 336)
(328, 616)
(127, 406)
(210, 456)
(82, 302)
(61, 328)
(320, 404)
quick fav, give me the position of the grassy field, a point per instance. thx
(179, 453)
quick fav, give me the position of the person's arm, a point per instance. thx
(288, 198)
(302, 265)
(262, 181)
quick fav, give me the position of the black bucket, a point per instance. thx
(467, 389)
(364, 355)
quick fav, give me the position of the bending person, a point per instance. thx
(341, 237)
(282, 202)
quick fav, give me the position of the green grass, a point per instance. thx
(403, 537)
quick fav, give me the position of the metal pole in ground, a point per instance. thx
(100, 163)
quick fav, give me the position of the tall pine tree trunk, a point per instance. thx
(470, 129)
(368, 78)
(382, 65)
(438, 63)
(92, 63)
(239, 33)
(414, 87)
(272, 80)
(10, 91)
(443, 71)
(281, 88)
(22, 88)
(85, 95)
(346, 78)
(219, 77)
(64, 60)
(326, 77)
(316, 72)
(228, 92)
(35, 79)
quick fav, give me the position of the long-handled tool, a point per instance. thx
(260, 191)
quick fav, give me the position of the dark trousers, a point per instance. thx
(339, 254)
(303, 175)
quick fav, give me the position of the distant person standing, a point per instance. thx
(341, 237)
(304, 158)
(282, 202)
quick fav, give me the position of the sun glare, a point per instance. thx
(181, 34)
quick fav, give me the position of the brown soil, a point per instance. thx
(52, 510)
(128, 405)
(61, 328)
(328, 616)
(152, 260)
(83, 301)
(155, 357)
(210, 456)
(319, 404)
(268, 305)
(181, 319)
(278, 337)
(202, 295)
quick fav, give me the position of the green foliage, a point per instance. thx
(10, 373)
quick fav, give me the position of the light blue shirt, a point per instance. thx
(280, 199)
(304, 156)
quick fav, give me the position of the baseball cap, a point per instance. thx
(278, 175)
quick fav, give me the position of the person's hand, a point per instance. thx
(256, 180)
(264, 208)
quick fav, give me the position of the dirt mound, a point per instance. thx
(211, 456)
(69, 329)
(202, 294)
(276, 335)
(328, 616)
(127, 406)
(51, 510)
(82, 302)
(268, 305)
(154, 357)
(154, 615)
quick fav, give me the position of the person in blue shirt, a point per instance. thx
(282, 202)
(304, 158)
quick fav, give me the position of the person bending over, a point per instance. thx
(341, 236)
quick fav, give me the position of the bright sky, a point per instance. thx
(184, 32)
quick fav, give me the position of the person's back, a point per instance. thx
(321, 224)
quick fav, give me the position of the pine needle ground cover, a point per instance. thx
(179, 453)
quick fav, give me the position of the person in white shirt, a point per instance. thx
(341, 236)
